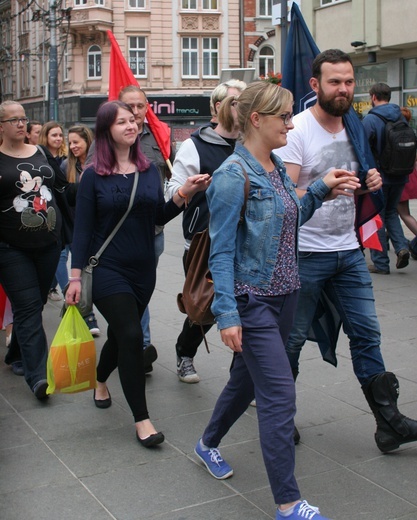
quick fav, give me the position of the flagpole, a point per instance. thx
(284, 30)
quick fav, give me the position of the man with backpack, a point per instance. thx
(393, 145)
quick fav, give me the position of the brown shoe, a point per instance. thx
(403, 257)
(372, 269)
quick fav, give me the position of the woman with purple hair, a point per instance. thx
(124, 279)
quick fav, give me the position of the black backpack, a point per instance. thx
(399, 153)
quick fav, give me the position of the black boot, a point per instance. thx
(296, 432)
(392, 427)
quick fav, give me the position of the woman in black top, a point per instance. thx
(30, 240)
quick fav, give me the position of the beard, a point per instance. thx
(332, 106)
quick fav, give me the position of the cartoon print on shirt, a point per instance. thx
(33, 202)
(341, 210)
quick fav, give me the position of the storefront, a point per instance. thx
(181, 112)
(366, 76)
(410, 88)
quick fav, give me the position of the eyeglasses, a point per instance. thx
(15, 121)
(286, 117)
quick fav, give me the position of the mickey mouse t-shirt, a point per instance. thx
(29, 217)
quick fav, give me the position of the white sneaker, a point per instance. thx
(54, 296)
(186, 371)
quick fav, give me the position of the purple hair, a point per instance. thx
(104, 157)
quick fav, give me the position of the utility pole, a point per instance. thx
(53, 65)
(284, 31)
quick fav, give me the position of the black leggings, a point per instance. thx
(123, 349)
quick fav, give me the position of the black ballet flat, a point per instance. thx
(152, 440)
(102, 403)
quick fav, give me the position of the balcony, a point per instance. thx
(91, 17)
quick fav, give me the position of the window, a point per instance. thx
(328, 2)
(265, 7)
(266, 61)
(99, 2)
(189, 57)
(136, 4)
(210, 4)
(94, 62)
(65, 64)
(78, 3)
(137, 55)
(210, 57)
(189, 4)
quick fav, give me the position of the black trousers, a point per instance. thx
(124, 349)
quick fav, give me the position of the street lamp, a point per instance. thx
(53, 65)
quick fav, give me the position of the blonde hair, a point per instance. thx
(225, 115)
(8, 103)
(43, 137)
(262, 97)
(220, 92)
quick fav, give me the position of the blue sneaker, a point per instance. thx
(302, 510)
(213, 461)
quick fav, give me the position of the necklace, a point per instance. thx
(321, 124)
(123, 171)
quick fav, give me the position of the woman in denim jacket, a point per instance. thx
(254, 269)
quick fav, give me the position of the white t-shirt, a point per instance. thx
(317, 151)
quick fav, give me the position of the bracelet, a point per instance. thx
(182, 196)
(74, 279)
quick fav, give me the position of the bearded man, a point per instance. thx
(333, 272)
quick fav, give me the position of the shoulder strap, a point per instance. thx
(40, 148)
(381, 117)
(93, 261)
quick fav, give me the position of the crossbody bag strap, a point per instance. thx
(93, 261)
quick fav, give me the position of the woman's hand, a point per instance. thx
(341, 182)
(196, 183)
(72, 296)
(232, 338)
(192, 185)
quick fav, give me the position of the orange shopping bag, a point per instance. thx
(71, 365)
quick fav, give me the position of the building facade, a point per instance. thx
(381, 38)
(175, 48)
(178, 48)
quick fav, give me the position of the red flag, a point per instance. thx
(369, 233)
(122, 76)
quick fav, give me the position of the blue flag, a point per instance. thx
(300, 52)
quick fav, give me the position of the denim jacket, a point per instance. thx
(247, 251)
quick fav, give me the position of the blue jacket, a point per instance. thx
(375, 131)
(247, 252)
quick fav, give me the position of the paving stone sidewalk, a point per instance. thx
(67, 459)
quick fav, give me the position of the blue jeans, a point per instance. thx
(159, 249)
(262, 370)
(61, 275)
(392, 224)
(348, 283)
(26, 276)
